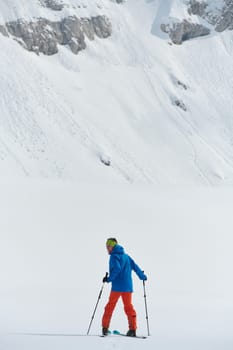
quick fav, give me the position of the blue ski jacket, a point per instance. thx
(120, 270)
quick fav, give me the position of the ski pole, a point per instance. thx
(147, 319)
(100, 293)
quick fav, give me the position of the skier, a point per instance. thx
(120, 268)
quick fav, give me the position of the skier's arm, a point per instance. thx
(137, 270)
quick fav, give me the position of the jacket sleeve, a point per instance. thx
(114, 268)
(137, 270)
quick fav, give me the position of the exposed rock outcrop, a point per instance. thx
(179, 103)
(226, 19)
(185, 30)
(3, 30)
(221, 18)
(105, 159)
(54, 5)
(197, 8)
(202, 10)
(43, 36)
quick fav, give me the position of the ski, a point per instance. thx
(115, 332)
(58, 334)
(124, 335)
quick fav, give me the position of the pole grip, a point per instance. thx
(105, 277)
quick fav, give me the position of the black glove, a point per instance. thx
(144, 277)
(105, 279)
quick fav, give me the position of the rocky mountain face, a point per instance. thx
(43, 35)
(220, 17)
(185, 30)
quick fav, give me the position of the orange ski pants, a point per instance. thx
(128, 308)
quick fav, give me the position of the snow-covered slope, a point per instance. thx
(154, 111)
(53, 258)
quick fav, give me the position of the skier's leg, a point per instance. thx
(109, 308)
(129, 310)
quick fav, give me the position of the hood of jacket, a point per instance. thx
(118, 249)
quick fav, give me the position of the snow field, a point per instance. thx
(53, 259)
